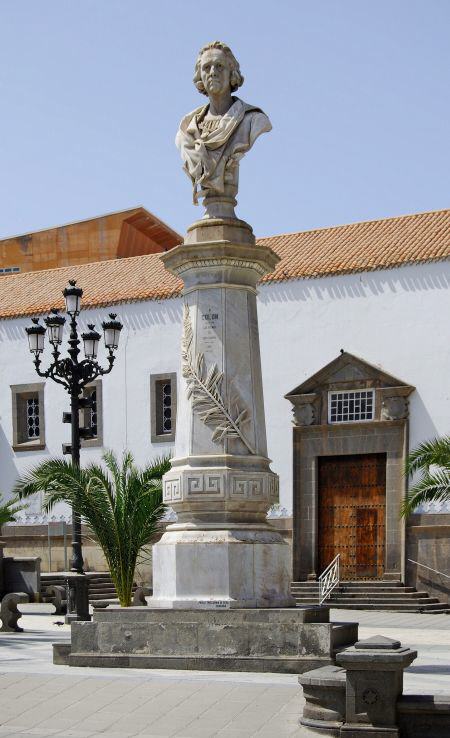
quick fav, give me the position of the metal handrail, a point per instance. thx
(329, 579)
(441, 573)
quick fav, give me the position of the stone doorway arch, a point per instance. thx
(317, 435)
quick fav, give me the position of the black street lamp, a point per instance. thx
(74, 375)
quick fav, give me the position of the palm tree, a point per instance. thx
(9, 510)
(432, 458)
(121, 505)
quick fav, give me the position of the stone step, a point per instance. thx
(101, 586)
(103, 592)
(363, 590)
(434, 607)
(369, 595)
(355, 590)
(394, 607)
(108, 596)
(351, 585)
(47, 579)
(397, 597)
(88, 573)
(355, 583)
(377, 595)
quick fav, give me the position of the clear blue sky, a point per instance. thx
(92, 91)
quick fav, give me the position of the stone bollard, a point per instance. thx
(374, 682)
(324, 693)
(9, 614)
(139, 596)
(58, 596)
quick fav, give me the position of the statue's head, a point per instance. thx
(219, 57)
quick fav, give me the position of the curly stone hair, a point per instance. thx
(236, 78)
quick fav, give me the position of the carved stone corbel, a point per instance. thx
(304, 409)
(394, 402)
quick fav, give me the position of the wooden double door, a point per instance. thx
(352, 505)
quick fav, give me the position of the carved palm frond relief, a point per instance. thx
(204, 386)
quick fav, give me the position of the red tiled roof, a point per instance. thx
(104, 283)
(360, 247)
(378, 244)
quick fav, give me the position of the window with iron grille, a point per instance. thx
(91, 416)
(28, 416)
(350, 406)
(163, 407)
(32, 410)
(165, 411)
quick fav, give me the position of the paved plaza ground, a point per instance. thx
(40, 699)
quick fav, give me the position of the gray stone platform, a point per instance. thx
(290, 640)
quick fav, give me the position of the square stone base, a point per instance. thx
(290, 640)
(221, 569)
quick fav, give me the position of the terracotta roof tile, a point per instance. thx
(357, 247)
(104, 283)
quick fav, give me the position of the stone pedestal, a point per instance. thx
(291, 640)
(221, 573)
(374, 683)
(221, 553)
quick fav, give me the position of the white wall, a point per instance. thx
(397, 319)
(148, 345)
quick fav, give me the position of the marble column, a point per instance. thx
(221, 552)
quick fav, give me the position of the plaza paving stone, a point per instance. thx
(40, 699)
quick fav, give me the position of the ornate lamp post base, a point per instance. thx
(77, 595)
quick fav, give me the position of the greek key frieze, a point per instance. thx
(255, 488)
(172, 490)
(274, 484)
(204, 484)
(247, 488)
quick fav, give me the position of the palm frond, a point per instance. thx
(58, 479)
(432, 487)
(121, 505)
(155, 471)
(9, 509)
(435, 452)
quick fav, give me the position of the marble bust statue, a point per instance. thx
(214, 137)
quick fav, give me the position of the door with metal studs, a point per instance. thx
(351, 520)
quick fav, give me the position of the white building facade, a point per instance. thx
(395, 319)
